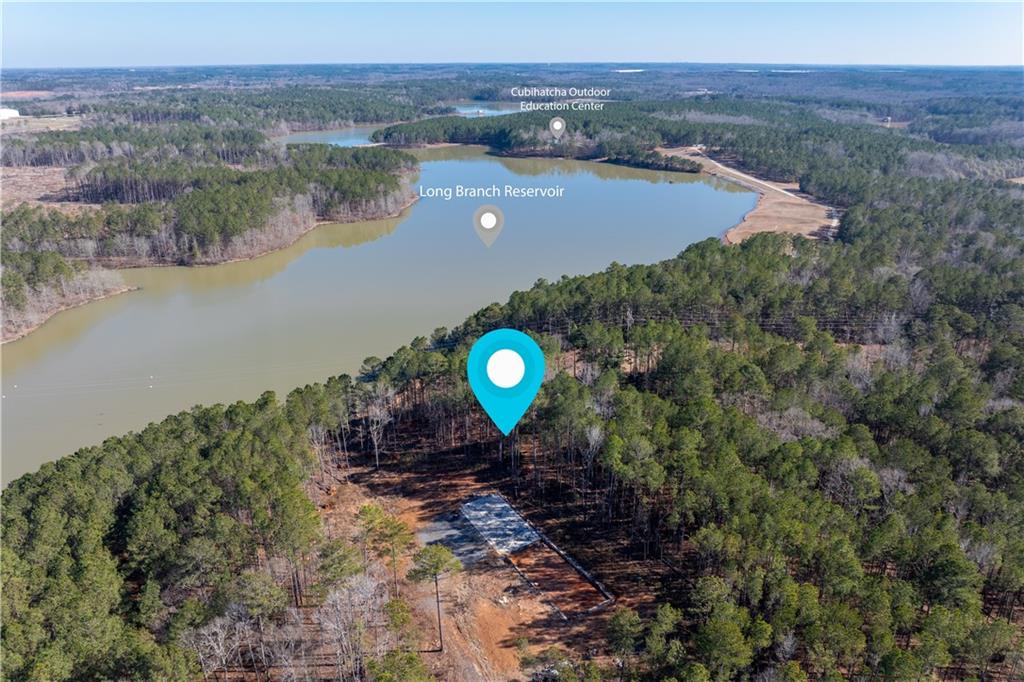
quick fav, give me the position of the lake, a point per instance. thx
(335, 297)
(482, 109)
(355, 136)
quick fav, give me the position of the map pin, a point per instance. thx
(505, 369)
(488, 221)
(557, 126)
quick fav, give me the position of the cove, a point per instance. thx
(338, 295)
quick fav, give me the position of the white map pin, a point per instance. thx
(488, 221)
(557, 126)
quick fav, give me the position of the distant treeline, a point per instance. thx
(191, 141)
(777, 140)
(651, 160)
(882, 88)
(228, 126)
(293, 106)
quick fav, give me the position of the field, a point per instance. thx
(40, 124)
(34, 184)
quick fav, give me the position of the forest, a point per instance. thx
(185, 213)
(859, 87)
(189, 176)
(837, 511)
(821, 441)
(780, 140)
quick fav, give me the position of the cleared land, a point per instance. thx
(490, 608)
(483, 606)
(27, 94)
(557, 581)
(39, 124)
(508, 533)
(491, 614)
(487, 608)
(780, 208)
(41, 185)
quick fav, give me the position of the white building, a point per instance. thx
(6, 113)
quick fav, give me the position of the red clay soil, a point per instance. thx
(487, 609)
(558, 582)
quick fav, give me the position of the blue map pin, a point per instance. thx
(505, 370)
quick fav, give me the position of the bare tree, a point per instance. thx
(351, 619)
(379, 413)
(289, 648)
(214, 644)
(318, 441)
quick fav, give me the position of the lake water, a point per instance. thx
(356, 136)
(335, 297)
(482, 109)
(343, 137)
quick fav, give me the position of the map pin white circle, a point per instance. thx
(487, 223)
(557, 126)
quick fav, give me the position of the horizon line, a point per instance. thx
(500, 63)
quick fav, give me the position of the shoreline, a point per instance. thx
(69, 306)
(277, 136)
(128, 289)
(780, 208)
(111, 265)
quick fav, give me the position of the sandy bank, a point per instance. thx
(781, 207)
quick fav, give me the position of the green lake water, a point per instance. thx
(338, 295)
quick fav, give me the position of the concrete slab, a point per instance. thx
(456, 533)
(501, 525)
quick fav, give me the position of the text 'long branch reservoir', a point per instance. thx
(491, 192)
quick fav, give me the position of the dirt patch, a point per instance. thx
(780, 208)
(40, 185)
(498, 620)
(557, 581)
(31, 183)
(39, 124)
(27, 94)
(489, 614)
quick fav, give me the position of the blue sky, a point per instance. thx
(89, 34)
